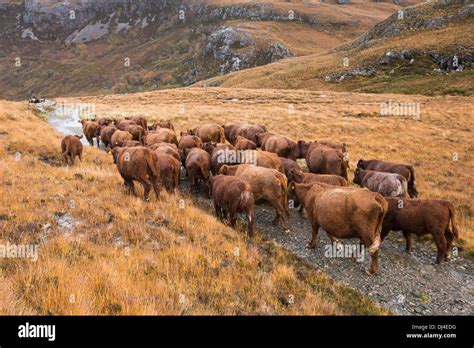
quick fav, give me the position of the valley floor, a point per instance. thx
(107, 253)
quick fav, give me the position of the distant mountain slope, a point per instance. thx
(424, 49)
(51, 47)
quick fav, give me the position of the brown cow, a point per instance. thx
(71, 147)
(248, 131)
(138, 164)
(104, 122)
(91, 130)
(300, 177)
(119, 137)
(161, 135)
(268, 185)
(188, 141)
(420, 217)
(209, 132)
(169, 171)
(198, 165)
(137, 132)
(279, 144)
(322, 159)
(387, 184)
(338, 146)
(139, 120)
(405, 170)
(129, 143)
(166, 149)
(123, 124)
(289, 164)
(106, 135)
(233, 195)
(360, 214)
(242, 143)
(161, 124)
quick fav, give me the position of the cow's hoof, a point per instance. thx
(309, 246)
(370, 273)
(287, 231)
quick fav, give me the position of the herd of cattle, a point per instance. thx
(225, 163)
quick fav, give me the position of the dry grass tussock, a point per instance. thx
(103, 252)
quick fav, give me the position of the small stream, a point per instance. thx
(66, 121)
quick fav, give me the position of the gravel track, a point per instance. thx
(407, 284)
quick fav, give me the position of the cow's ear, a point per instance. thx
(359, 164)
(224, 169)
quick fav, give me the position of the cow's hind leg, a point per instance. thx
(155, 182)
(130, 187)
(314, 237)
(280, 215)
(147, 188)
(449, 238)
(409, 240)
(441, 245)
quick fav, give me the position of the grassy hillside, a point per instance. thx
(103, 252)
(365, 66)
(162, 50)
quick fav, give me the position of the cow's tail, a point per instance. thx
(152, 162)
(222, 135)
(412, 182)
(374, 247)
(452, 215)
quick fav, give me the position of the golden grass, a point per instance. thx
(125, 256)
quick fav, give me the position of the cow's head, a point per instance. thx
(357, 176)
(361, 164)
(302, 149)
(209, 147)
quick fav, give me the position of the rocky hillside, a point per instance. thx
(420, 49)
(51, 47)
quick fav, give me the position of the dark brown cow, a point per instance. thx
(169, 171)
(387, 184)
(91, 130)
(71, 147)
(209, 132)
(242, 143)
(138, 164)
(420, 217)
(360, 214)
(322, 159)
(405, 170)
(233, 195)
(106, 135)
(139, 120)
(198, 166)
(104, 122)
(268, 185)
(289, 164)
(279, 144)
(137, 132)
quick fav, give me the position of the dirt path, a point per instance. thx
(408, 284)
